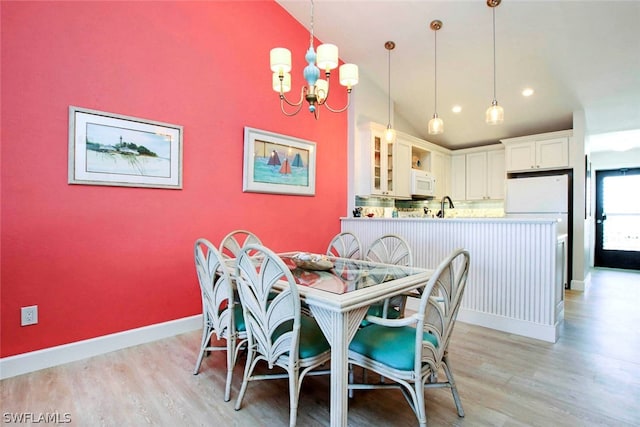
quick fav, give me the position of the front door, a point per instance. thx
(618, 219)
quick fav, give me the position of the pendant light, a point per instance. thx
(389, 133)
(436, 125)
(495, 113)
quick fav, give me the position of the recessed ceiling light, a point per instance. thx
(456, 109)
(527, 91)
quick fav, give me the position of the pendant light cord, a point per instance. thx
(435, 72)
(494, 53)
(389, 86)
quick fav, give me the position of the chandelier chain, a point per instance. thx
(311, 27)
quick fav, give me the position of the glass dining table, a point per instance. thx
(339, 297)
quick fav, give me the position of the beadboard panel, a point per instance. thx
(512, 277)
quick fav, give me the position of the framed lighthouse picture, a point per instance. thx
(117, 150)
(278, 164)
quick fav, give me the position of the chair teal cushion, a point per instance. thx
(239, 318)
(394, 347)
(312, 340)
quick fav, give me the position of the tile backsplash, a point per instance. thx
(383, 207)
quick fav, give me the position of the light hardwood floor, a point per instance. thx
(590, 377)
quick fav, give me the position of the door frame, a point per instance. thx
(610, 258)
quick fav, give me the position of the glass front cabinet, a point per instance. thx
(379, 163)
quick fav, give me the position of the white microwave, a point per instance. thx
(423, 184)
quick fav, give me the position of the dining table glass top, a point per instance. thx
(342, 275)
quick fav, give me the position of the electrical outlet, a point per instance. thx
(29, 315)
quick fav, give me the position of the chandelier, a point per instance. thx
(316, 92)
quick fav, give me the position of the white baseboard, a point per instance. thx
(548, 333)
(581, 285)
(53, 356)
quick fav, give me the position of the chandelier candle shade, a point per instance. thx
(436, 125)
(316, 92)
(390, 133)
(495, 113)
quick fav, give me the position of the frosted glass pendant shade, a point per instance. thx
(280, 59)
(436, 125)
(348, 75)
(389, 134)
(327, 57)
(494, 114)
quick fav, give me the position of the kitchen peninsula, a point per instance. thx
(518, 266)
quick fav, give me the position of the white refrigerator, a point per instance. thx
(539, 197)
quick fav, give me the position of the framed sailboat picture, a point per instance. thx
(112, 149)
(278, 164)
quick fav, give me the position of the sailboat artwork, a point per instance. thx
(297, 161)
(278, 164)
(274, 160)
(286, 167)
(275, 163)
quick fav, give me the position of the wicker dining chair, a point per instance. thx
(233, 242)
(413, 350)
(222, 315)
(278, 334)
(390, 249)
(345, 245)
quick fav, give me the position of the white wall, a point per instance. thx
(581, 226)
(601, 160)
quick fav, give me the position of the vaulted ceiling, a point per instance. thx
(576, 55)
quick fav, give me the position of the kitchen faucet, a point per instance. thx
(442, 205)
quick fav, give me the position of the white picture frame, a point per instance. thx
(117, 150)
(278, 164)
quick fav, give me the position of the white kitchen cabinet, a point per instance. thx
(485, 175)
(496, 174)
(458, 176)
(441, 170)
(478, 174)
(537, 152)
(401, 181)
(382, 168)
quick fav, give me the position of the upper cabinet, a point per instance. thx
(537, 152)
(485, 175)
(458, 176)
(478, 173)
(382, 168)
(401, 170)
(441, 170)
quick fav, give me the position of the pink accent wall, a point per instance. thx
(99, 260)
